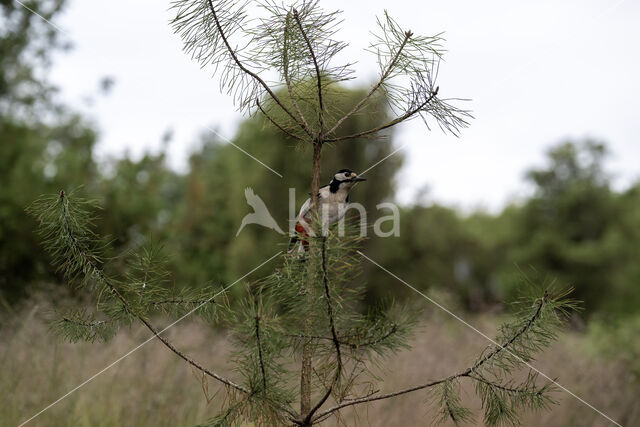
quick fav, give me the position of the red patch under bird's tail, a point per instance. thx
(300, 231)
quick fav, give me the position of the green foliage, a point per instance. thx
(264, 327)
(65, 231)
(313, 303)
(447, 397)
(80, 326)
(297, 42)
(534, 327)
(65, 225)
(309, 300)
(26, 45)
(616, 339)
(572, 229)
(141, 199)
(214, 202)
(44, 145)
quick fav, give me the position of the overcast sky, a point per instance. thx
(537, 72)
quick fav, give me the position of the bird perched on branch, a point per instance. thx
(333, 199)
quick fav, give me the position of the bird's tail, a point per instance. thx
(300, 231)
(292, 243)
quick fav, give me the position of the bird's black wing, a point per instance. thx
(309, 193)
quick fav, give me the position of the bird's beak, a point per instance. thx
(357, 179)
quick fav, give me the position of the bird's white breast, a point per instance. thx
(332, 205)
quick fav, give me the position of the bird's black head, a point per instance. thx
(345, 178)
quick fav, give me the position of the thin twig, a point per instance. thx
(318, 76)
(275, 123)
(371, 393)
(249, 72)
(393, 122)
(382, 396)
(183, 301)
(522, 330)
(380, 82)
(392, 331)
(466, 373)
(500, 386)
(285, 66)
(264, 376)
(84, 324)
(342, 341)
(101, 276)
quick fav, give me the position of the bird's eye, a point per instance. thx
(346, 174)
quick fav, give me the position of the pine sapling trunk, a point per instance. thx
(306, 369)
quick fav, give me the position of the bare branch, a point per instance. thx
(371, 393)
(393, 122)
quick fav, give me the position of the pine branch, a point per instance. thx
(342, 340)
(276, 124)
(264, 375)
(450, 404)
(285, 71)
(513, 339)
(528, 392)
(502, 387)
(78, 326)
(392, 331)
(380, 397)
(317, 68)
(250, 73)
(179, 302)
(375, 87)
(409, 114)
(90, 268)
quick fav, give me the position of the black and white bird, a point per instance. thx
(333, 200)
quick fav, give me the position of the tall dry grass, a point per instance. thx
(152, 387)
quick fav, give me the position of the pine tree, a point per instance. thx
(308, 310)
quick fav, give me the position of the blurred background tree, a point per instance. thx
(44, 144)
(214, 194)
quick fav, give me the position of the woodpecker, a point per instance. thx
(333, 199)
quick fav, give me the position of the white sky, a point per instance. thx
(536, 71)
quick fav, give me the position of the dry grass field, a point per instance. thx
(152, 387)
